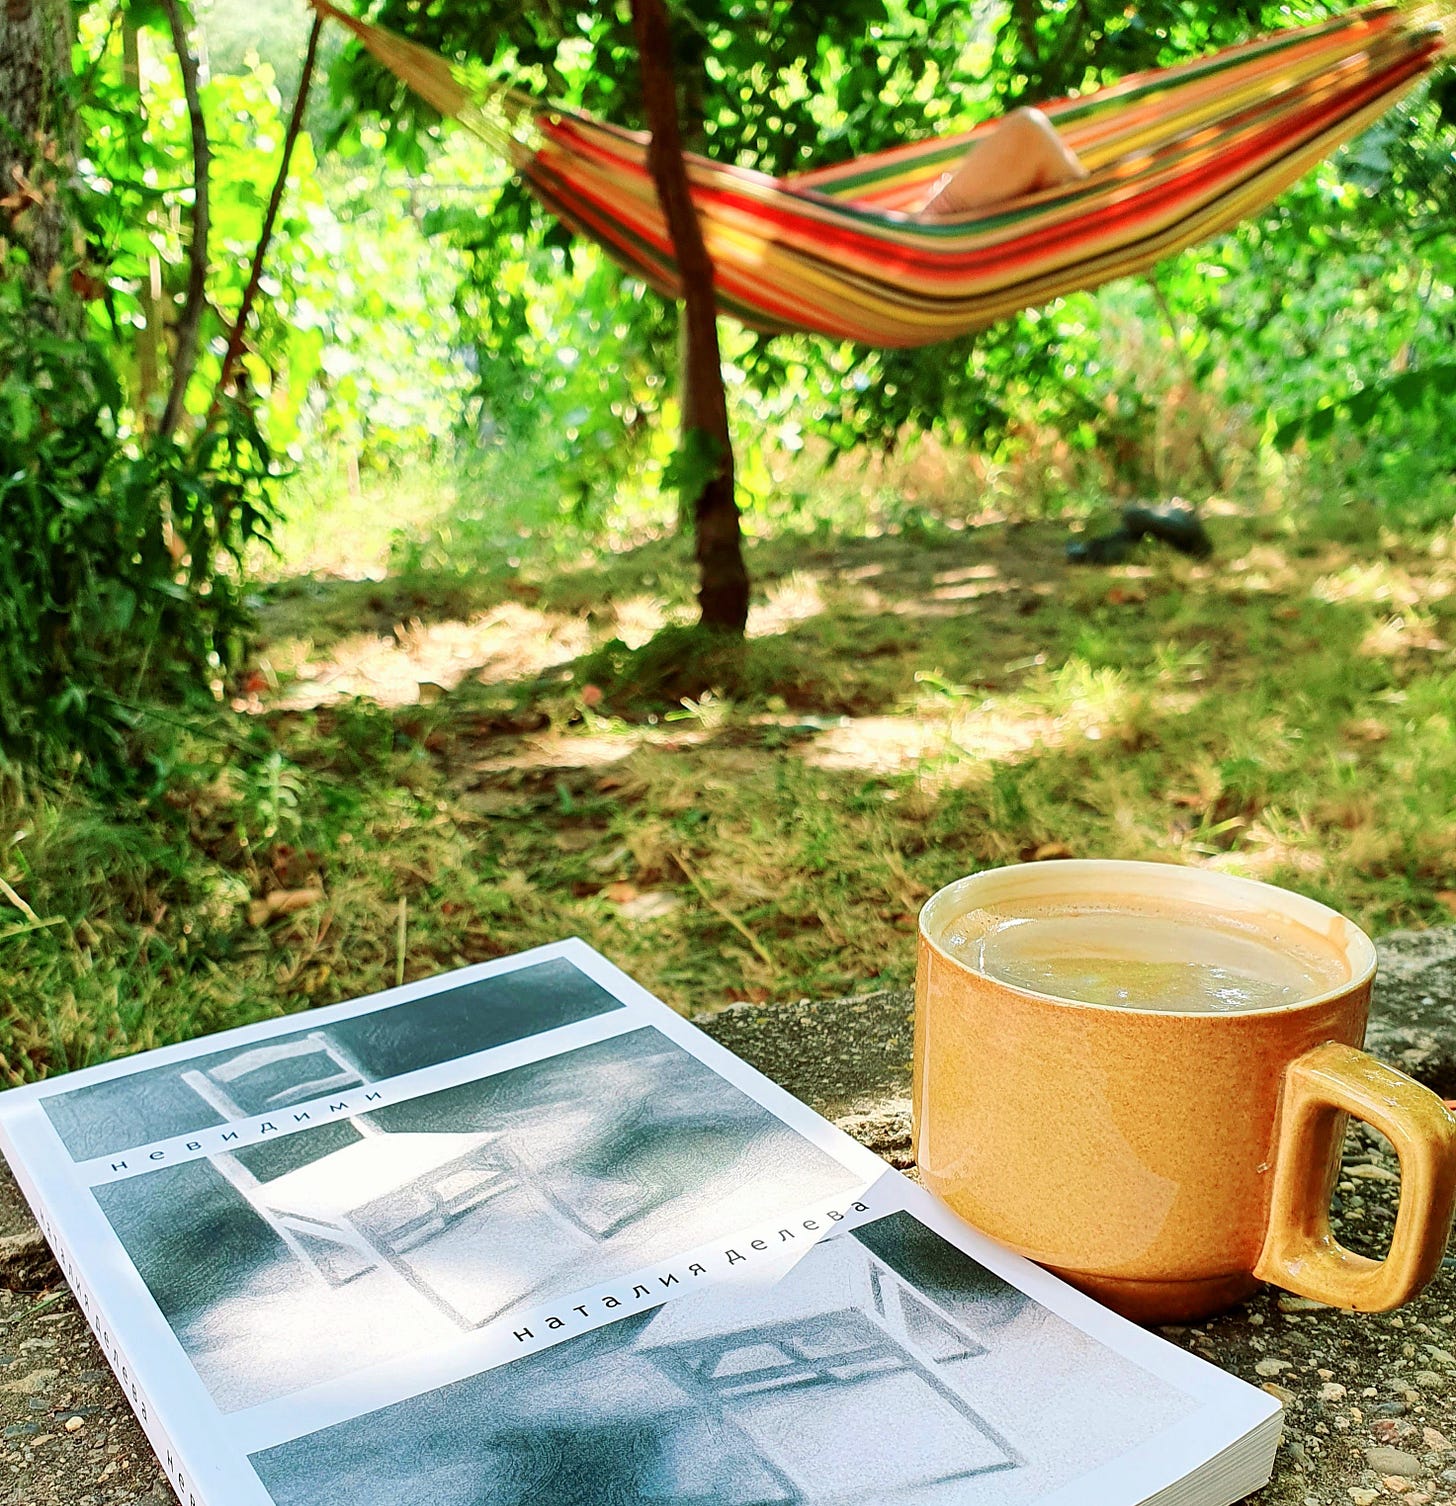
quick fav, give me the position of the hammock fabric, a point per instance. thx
(1175, 155)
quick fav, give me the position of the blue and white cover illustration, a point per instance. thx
(521, 1234)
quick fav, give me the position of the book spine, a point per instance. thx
(178, 1476)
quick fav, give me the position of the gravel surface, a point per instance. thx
(67, 1434)
(1370, 1400)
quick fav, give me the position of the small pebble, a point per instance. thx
(1394, 1461)
(1392, 1409)
(1332, 1391)
(1362, 1496)
(75, 1424)
(1372, 1173)
(1429, 1379)
(1271, 1366)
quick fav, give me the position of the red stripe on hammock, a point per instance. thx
(842, 246)
(594, 212)
(1372, 18)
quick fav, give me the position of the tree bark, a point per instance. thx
(718, 542)
(35, 132)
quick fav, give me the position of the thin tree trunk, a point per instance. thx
(148, 339)
(270, 217)
(718, 543)
(35, 132)
(189, 326)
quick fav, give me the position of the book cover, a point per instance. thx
(521, 1233)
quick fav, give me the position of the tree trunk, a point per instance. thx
(149, 336)
(718, 543)
(189, 326)
(35, 132)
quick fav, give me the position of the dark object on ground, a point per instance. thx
(1178, 526)
(1105, 549)
(1174, 525)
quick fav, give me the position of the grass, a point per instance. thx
(453, 722)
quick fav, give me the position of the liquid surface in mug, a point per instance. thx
(1186, 960)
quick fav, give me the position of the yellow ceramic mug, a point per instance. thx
(1166, 1162)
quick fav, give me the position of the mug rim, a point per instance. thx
(1358, 948)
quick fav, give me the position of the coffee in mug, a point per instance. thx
(1143, 954)
(1139, 1075)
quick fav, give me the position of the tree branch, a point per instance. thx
(270, 217)
(189, 327)
(1073, 32)
(1025, 13)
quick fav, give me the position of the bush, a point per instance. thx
(118, 562)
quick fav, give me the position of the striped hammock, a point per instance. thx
(1175, 155)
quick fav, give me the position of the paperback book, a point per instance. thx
(522, 1234)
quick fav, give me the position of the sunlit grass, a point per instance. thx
(914, 702)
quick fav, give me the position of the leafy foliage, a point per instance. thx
(117, 563)
(778, 87)
(122, 555)
(417, 300)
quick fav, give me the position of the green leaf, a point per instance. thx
(151, 14)
(695, 462)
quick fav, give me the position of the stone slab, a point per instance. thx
(1413, 1010)
(1370, 1400)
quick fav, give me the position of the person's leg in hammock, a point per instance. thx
(1022, 155)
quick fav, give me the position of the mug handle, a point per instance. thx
(1300, 1252)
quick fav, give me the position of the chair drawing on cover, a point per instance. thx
(275, 1076)
(366, 1206)
(841, 1340)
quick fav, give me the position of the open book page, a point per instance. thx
(522, 1234)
